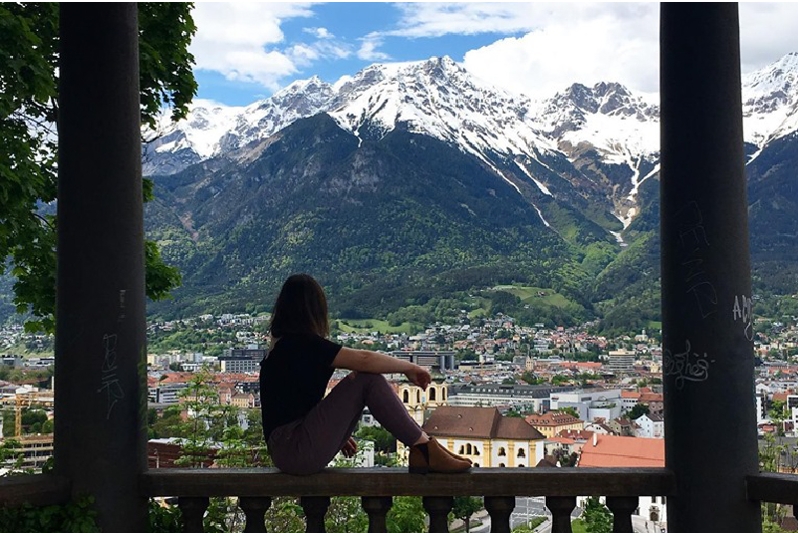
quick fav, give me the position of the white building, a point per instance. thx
(242, 360)
(652, 426)
(590, 403)
(620, 361)
(535, 398)
(168, 393)
(761, 411)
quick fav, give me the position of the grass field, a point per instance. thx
(527, 294)
(478, 313)
(367, 325)
(578, 526)
(21, 350)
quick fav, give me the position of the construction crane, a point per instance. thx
(28, 400)
(18, 417)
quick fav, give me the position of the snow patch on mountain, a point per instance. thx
(545, 190)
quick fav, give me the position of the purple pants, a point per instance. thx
(307, 445)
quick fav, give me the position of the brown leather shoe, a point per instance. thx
(432, 457)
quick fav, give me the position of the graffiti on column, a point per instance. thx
(687, 365)
(693, 239)
(743, 311)
(692, 364)
(110, 383)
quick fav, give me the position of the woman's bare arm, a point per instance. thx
(377, 363)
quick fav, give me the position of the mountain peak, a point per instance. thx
(313, 83)
(771, 89)
(604, 97)
(778, 76)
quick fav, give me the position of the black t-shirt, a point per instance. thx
(293, 378)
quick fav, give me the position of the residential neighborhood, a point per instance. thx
(503, 395)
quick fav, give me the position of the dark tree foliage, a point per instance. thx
(598, 519)
(638, 410)
(28, 137)
(503, 301)
(382, 438)
(464, 507)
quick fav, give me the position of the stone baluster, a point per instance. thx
(622, 508)
(193, 510)
(377, 508)
(254, 509)
(561, 508)
(315, 509)
(438, 508)
(500, 508)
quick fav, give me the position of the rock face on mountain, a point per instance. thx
(406, 173)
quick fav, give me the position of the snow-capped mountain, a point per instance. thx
(405, 171)
(604, 127)
(213, 129)
(622, 126)
(435, 97)
(770, 101)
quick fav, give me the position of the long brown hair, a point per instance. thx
(301, 307)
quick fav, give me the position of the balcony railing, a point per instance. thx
(773, 488)
(256, 486)
(37, 490)
(376, 486)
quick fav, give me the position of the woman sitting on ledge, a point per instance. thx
(303, 429)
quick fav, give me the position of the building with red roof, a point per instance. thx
(486, 437)
(615, 451)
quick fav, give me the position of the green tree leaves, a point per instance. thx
(28, 137)
(165, 64)
(464, 507)
(382, 438)
(406, 515)
(638, 410)
(598, 519)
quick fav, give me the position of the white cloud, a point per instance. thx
(584, 44)
(437, 19)
(368, 50)
(549, 46)
(304, 55)
(767, 32)
(565, 43)
(319, 33)
(240, 40)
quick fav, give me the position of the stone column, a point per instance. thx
(100, 372)
(708, 365)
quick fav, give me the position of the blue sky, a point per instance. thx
(246, 51)
(348, 27)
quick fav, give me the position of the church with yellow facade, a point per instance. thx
(486, 437)
(418, 401)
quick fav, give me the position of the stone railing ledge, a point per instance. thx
(772, 487)
(378, 481)
(37, 490)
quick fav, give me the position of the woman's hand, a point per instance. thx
(349, 449)
(419, 376)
